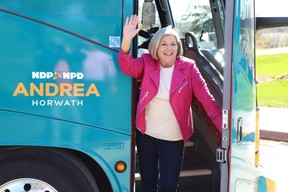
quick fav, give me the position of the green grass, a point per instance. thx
(273, 94)
(272, 65)
(272, 91)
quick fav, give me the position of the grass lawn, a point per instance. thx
(272, 75)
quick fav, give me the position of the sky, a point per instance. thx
(271, 8)
(268, 8)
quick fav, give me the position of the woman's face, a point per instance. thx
(167, 50)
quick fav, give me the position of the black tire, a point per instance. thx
(59, 169)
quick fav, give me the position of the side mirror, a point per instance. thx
(148, 13)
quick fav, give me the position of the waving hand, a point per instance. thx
(130, 30)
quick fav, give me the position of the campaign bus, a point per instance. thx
(67, 112)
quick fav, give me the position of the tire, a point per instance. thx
(56, 170)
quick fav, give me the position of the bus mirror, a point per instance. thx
(148, 13)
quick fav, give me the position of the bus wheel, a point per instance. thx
(43, 170)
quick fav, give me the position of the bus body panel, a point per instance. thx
(91, 78)
(61, 86)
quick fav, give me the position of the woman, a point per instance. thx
(164, 117)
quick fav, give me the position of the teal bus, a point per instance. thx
(67, 112)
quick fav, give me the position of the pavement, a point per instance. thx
(273, 159)
(273, 124)
(279, 50)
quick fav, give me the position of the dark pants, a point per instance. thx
(159, 156)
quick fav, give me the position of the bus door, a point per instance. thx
(238, 155)
(239, 99)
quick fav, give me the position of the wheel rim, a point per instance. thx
(26, 185)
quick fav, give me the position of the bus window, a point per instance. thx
(195, 17)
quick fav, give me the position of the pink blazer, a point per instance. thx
(186, 81)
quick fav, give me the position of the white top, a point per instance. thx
(161, 122)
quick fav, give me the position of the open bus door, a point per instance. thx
(239, 98)
(239, 171)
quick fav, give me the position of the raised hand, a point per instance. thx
(130, 30)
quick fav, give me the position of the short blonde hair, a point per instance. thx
(155, 41)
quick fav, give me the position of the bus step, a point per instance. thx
(185, 173)
(196, 172)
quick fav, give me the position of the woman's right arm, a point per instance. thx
(128, 65)
(130, 30)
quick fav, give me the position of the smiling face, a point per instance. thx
(167, 50)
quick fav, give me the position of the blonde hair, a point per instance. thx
(155, 41)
